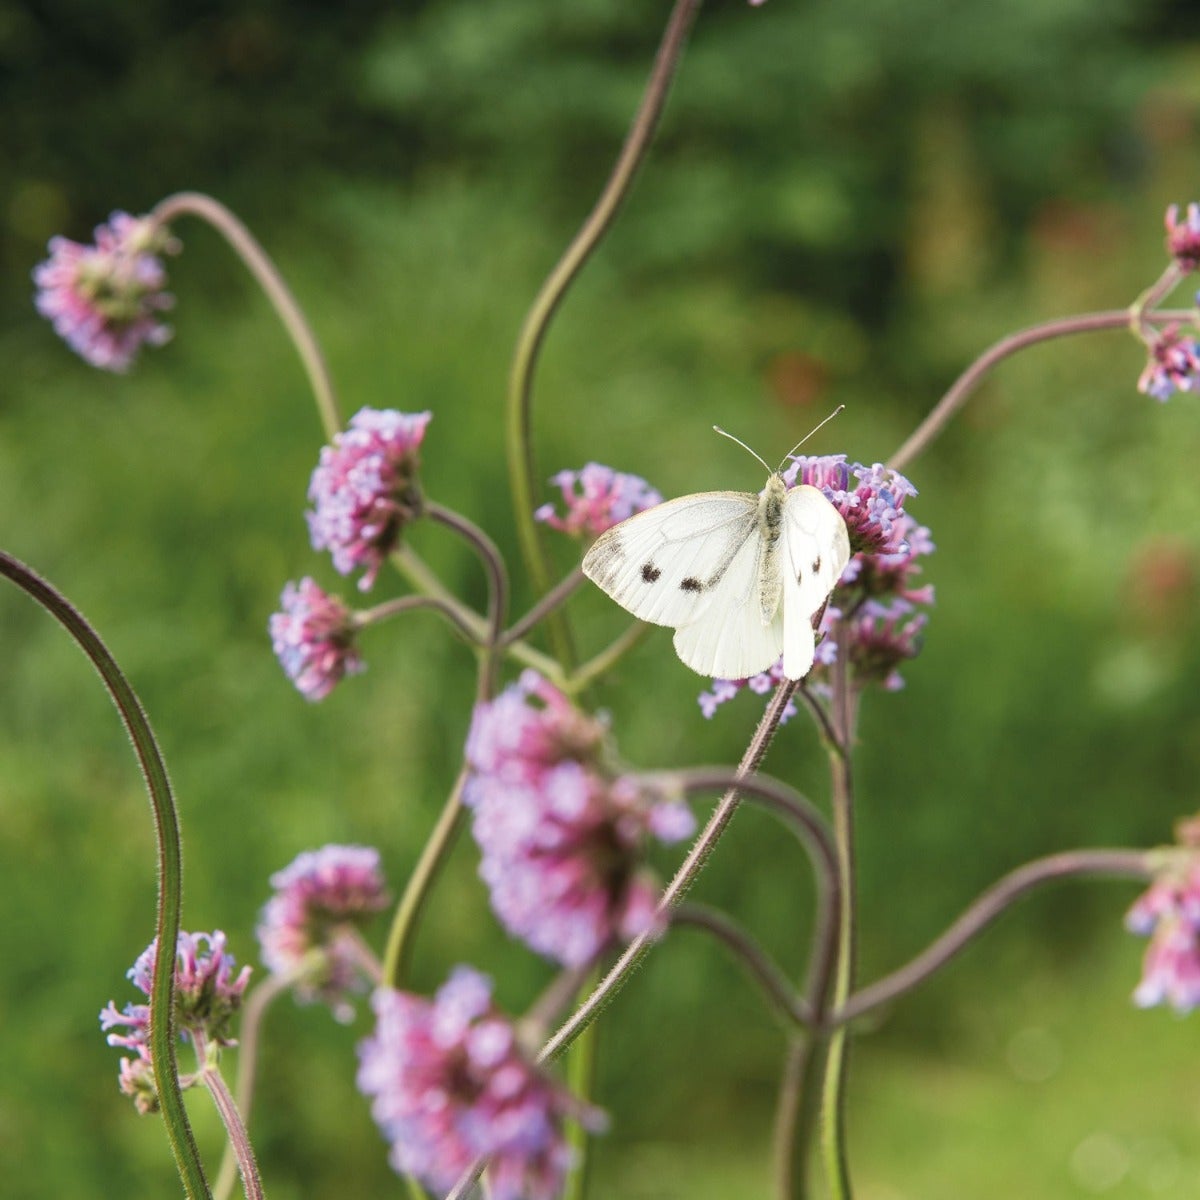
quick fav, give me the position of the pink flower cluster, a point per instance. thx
(364, 489)
(1173, 364)
(873, 609)
(1168, 912)
(562, 834)
(1183, 236)
(450, 1084)
(207, 994)
(313, 637)
(595, 499)
(308, 930)
(104, 299)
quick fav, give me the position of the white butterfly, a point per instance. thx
(738, 576)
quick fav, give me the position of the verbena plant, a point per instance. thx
(464, 1094)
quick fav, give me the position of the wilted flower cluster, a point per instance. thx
(1168, 912)
(104, 299)
(595, 499)
(364, 489)
(450, 1084)
(1173, 364)
(872, 611)
(207, 994)
(308, 930)
(562, 833)
(314, 639)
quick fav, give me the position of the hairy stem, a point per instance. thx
(522, 467)
(170, 866)
(246, 246)
(214, 1081)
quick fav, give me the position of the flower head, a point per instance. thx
(364, 489)
(1173, 364)
(104, 299)
(1168, 912)
(871, 615)
(314, 639)
(308, 929)
(595, 499)
(449, 1083)
(1183, 237)
(562, 833)
(207, 995)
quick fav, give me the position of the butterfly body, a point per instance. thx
(739, 576)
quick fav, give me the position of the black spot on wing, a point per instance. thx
(817, 564)
(650, 572)
(691, 584)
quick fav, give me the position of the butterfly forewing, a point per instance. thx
(665, 564)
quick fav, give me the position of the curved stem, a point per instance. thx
(791, 1009)
(521, 465)
(170, 865)
(246, 246)
(454, 614)
(249, 1033)
(796, 1113)
(433, 855)
(970, 379)
(475, 627)
(557, 595)
(236, 1129)
(1124, 864)
(493, 564)
(598, 664)
(691, 867)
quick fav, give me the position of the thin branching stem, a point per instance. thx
(522, 467)
(556, 596)
(1070, 864)
(792, 1010)
(246, 246)
(235, 1128)
(170, 866)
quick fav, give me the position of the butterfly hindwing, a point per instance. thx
(816, 549)
(665, 564)
(728, 638)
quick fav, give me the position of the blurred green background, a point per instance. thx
(845, 205)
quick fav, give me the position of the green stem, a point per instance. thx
(433, 855)
(170, 867)
(600, 663)
(518, 424)
(259, 263)
(833, 1097)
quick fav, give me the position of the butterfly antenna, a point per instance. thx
(805, 438)
(726, 433)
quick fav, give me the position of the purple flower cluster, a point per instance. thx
(364, 489)
(450, 1084)
(314, 639)
(207, 994)
(104, 299)
(1183, 236)
(595, 499)
(872, 611)
(1173, 364)
(1168, 912)
(562, 834)
(308, 930)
